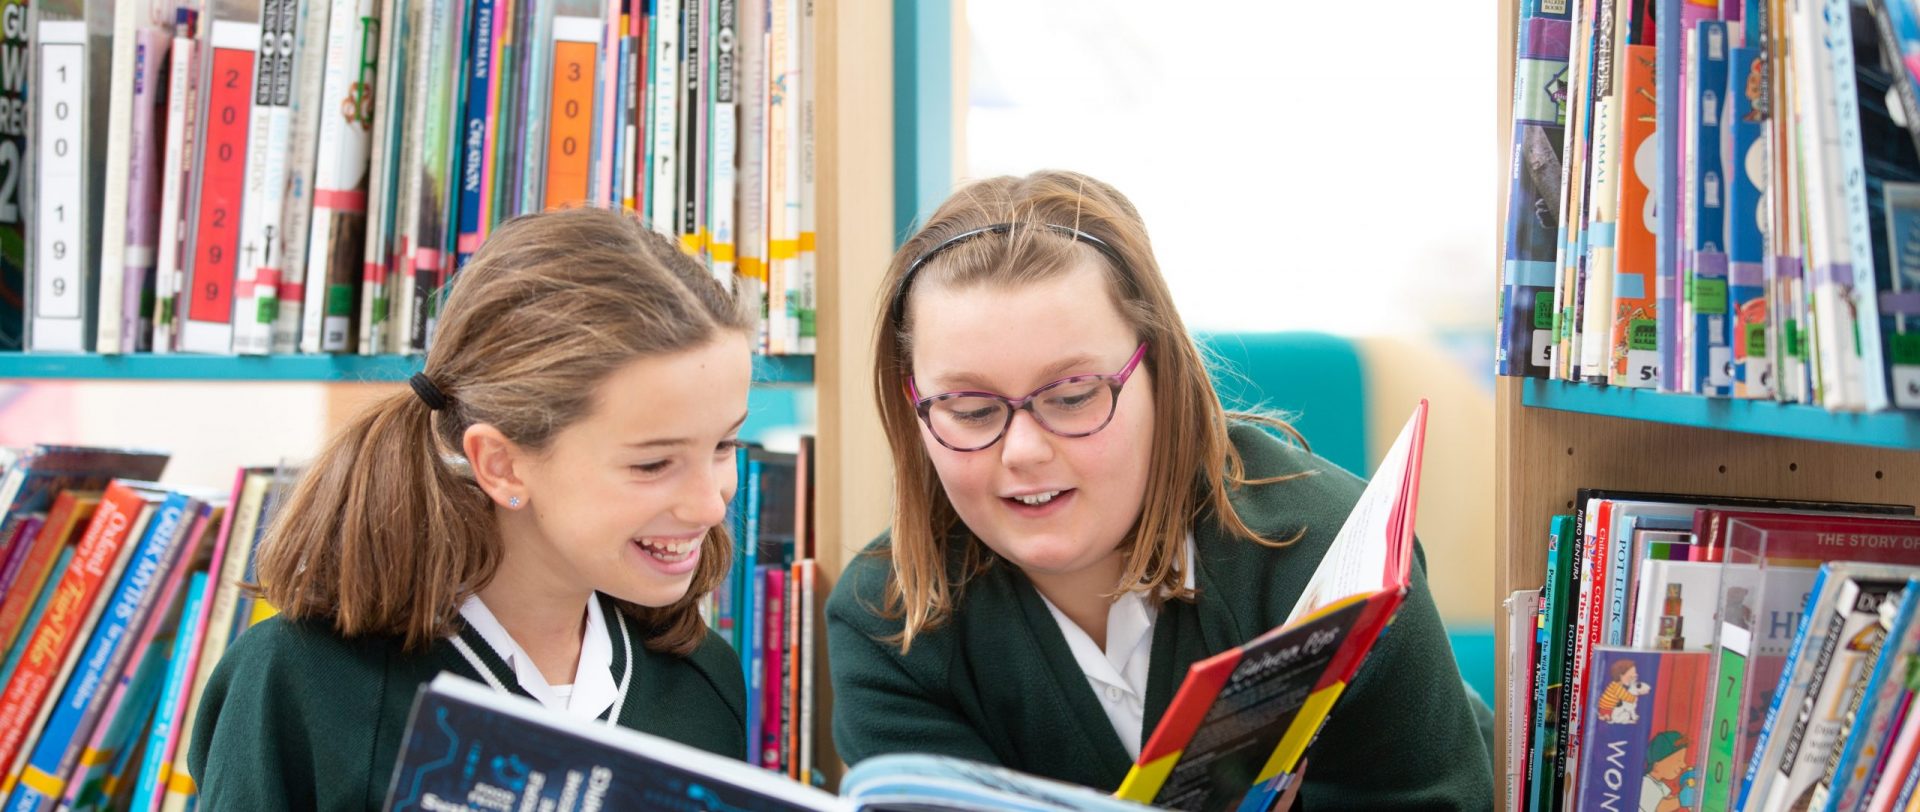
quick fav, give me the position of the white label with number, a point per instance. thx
(1906, 386)
(1719, 366)
(1759, 378)
(1542, 348)
(1643, 369)
(61, 147)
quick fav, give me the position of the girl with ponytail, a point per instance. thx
(540, 511)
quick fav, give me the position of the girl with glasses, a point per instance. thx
(1077, 520)
(542, 512)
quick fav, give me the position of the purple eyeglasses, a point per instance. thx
(1070, 407)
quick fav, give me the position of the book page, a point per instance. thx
(1356, 562)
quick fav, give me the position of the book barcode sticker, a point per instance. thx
(1643, 334)
(1543, 310)
(1708, 295)
(62, 147)
(1756, 340)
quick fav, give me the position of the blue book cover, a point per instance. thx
(1644, 711)
(473, 134)
(71, 721)
(469, 747)
(1706, 290)
(151, 783)
(749, 605)
(1746, 175)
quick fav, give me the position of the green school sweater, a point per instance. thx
(998, 684)
(297, 717)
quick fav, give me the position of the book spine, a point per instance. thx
(143, 189)
(397, 64)
(687, 128)
(153, 768)
(262, 241)
(751, 224)
(724, 142)
(296, 216)
(662, 186)
(475, 173)
(570, 127)
(109, 324)
(337, 241)
(226, 108)
(27, 687)
(17, 651)
(772, 654)
(59, 250)
(183, 88)
(806, 264)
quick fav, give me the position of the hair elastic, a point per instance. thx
(429, 394)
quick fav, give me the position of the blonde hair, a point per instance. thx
(384, 534)
(1193, 465)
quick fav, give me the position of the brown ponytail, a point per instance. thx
(386, 533)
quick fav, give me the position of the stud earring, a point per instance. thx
(513, 502)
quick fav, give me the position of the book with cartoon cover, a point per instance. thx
(1645, 710)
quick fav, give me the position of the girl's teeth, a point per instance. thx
(1035, 500)
(669, 550)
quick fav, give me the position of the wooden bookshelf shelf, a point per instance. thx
(1897, 430)
(778, 370)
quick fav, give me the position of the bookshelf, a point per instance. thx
(862, 79)
(784, 370)
(1552, 438)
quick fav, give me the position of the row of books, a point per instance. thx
(1717, 653)
(277, 176)
(1717, 198)
(769, 605)
(120, 596)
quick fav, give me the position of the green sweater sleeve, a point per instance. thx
(880, 705)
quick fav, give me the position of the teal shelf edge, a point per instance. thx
(776, 370)
(1892, 429)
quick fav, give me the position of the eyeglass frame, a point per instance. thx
(1115, 381)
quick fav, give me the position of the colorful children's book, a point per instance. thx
(1645, 710)
(1313, 656)
(1871, 718)
(523, 756)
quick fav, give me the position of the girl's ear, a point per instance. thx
(496, 463)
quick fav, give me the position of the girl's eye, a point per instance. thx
(727, 448)
(650, 467)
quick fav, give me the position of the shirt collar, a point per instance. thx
(594, 689)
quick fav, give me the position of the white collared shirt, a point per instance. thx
(1119, 674)
(593, 690)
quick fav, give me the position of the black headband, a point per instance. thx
(897, 311)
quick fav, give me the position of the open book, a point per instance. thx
(470, 747)
(1236, 730)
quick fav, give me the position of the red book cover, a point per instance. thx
(1809, 537)
(71, 510)
(76, 592)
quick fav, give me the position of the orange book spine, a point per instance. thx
(70, 509)
(93, 557)
(570, 122)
